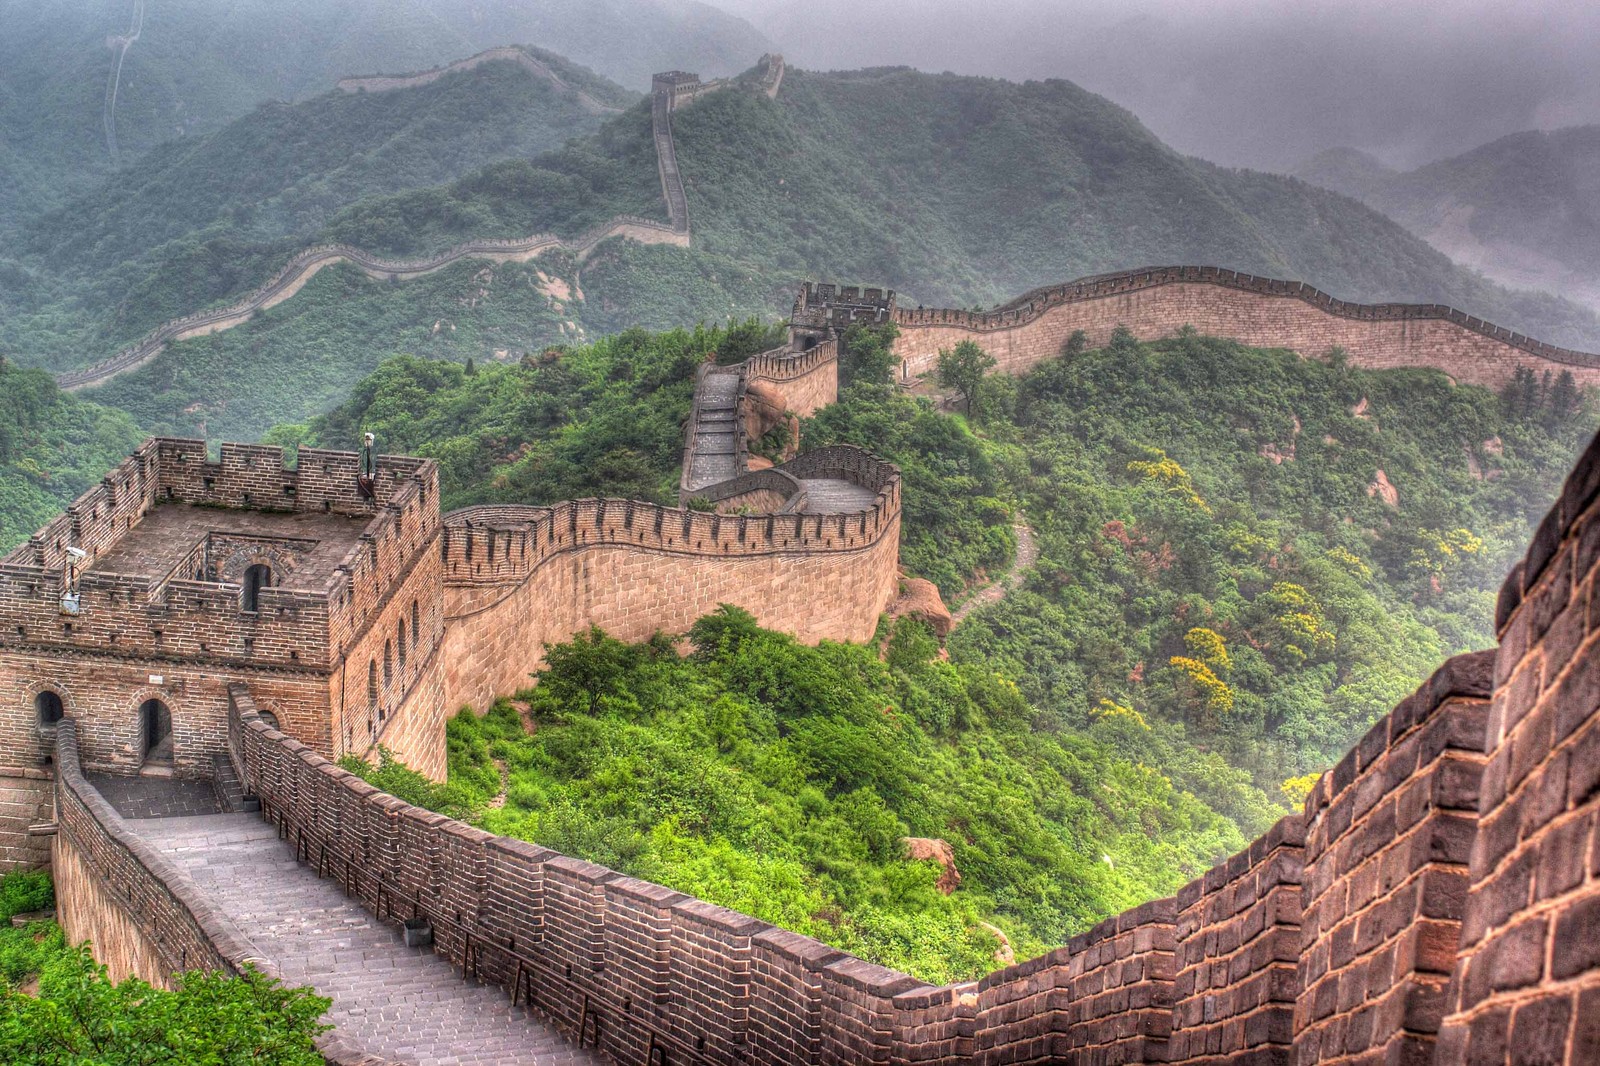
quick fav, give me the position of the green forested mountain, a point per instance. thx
(53, 446)
(956, 191)
(203, 218)
(1224, 601)
(1524, 209)
(198, 64)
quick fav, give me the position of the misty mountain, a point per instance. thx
(1260, 83)
(212, 214)
(956, 191)
(197, 64)
(1524, 209)
(1347, 170)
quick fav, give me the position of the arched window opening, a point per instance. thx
(372, 682)
(256, 578)
(48, 704)
(271, 719)
(155, 723)
(388, 662)
(416, 623)
(400, 642)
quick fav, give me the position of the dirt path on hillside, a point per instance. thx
(996, 590)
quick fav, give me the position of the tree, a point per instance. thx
(587, 670)
(962, 368)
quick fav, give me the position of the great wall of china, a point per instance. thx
(1436, 901)
(677, 90)
(1152, 302)
(382, 83)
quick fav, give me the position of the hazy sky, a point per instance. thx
(1248, 82)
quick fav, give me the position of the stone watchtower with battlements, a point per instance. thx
(822, 310)
(178, 575)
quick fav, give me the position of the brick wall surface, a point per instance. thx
(26, 798)
(182, 641)
(1526, 982)
(1389, 830)
(1237, 943)
(1256, 311)
(516, 578)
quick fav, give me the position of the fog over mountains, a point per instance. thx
(1261, 83)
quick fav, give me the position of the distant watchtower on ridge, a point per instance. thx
(822, 309)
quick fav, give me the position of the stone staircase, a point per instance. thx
(714, 440)
(231, 796)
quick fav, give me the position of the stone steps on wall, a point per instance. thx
(230, 793)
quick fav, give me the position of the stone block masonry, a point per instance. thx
(1261, 312)
(1437, 901)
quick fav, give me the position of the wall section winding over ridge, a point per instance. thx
(294, 275)
(518, 577)
(1438, 900)
(1262, 312)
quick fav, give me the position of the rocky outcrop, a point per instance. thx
(920, 849)
(919, 598)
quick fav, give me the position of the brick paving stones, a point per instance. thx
(405, 1004)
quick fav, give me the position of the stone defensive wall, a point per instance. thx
(205, 621)
(154, 633)
(1262, 312)
(145, 917)
(382, 83)
(294, 274)
(518, 577)
(808, 380)
(1436, 901)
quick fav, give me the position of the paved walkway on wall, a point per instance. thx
(404, 1004)
(995, 591)
(156, 797)
(832, 495)
(713, 455)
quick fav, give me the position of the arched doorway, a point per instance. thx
(155, 728)
(256, 578)
(49, 707)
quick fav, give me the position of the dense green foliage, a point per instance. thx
(604, 419)
(58, 1008)
(53, 446)
(1224, 601)
(1217, 551)
(780, 780)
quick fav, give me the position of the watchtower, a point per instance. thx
(315, 583)
(822, 309)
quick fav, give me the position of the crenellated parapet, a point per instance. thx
(1263, 312)
(517, 578)
(1437, 900)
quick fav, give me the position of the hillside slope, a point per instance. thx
(953, 190)
(196, 65)
(957, 190)
(1524, 209)
(199, 219)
